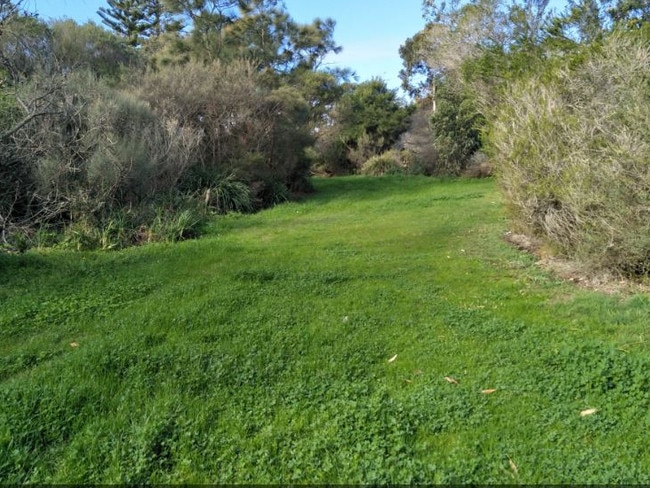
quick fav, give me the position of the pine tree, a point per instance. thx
(133, 19)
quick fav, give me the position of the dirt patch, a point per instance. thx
(572, 271)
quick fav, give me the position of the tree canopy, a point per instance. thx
(134, 20)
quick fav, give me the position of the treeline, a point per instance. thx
(559, 104)
(174, 110)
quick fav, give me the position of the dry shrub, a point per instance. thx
(417, 142)
(246, 129)
(574, 157)
(363, 149)
(330, 154)
(388, 163)
(223, 101)
(479, 166)
(105, 148)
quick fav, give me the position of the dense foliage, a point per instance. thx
(559, 102)
(366, 122)
(179, 109)
(573, 156)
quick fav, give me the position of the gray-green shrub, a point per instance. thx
(572, 150)
(105, 148)
(246, 128)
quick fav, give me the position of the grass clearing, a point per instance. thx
(261, 353)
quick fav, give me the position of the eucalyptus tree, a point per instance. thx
(586, 21)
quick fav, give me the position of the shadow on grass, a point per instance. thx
(376, 188)
(364, 187)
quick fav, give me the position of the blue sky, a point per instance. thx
(370, 31)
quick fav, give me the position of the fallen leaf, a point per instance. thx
(393, 358)
(451, 380)
(409, 381)
(589, 411)
(74, 344)
(488, 391)
(513, 466)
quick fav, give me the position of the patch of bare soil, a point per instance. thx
(572, 271)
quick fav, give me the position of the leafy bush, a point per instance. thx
(90, 138)
(573, 156)
(456, 127)
(108, 149)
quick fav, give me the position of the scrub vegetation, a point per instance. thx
(283, 326)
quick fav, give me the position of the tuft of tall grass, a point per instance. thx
(387, 163)
(173, 226)
(228, 194)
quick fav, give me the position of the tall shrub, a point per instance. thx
(573, 154)
(366, 121)
(103, 148)
(246, 129)
(456, 126)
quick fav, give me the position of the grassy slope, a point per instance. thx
(261, 353)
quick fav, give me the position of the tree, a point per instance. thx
(277, 43)
(133, 19)
(588, 21)
(529, 21)
(207, 19)
(454, 34)
(632, 13)
(583, 22)
(25, 47)
(366, 121)
(456, 128)
(261, 31)
(321, 89)
(8, 10)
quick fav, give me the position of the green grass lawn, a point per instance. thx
(347, 338)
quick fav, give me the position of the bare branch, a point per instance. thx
(7, 134)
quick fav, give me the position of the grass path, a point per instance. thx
(354, 337)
